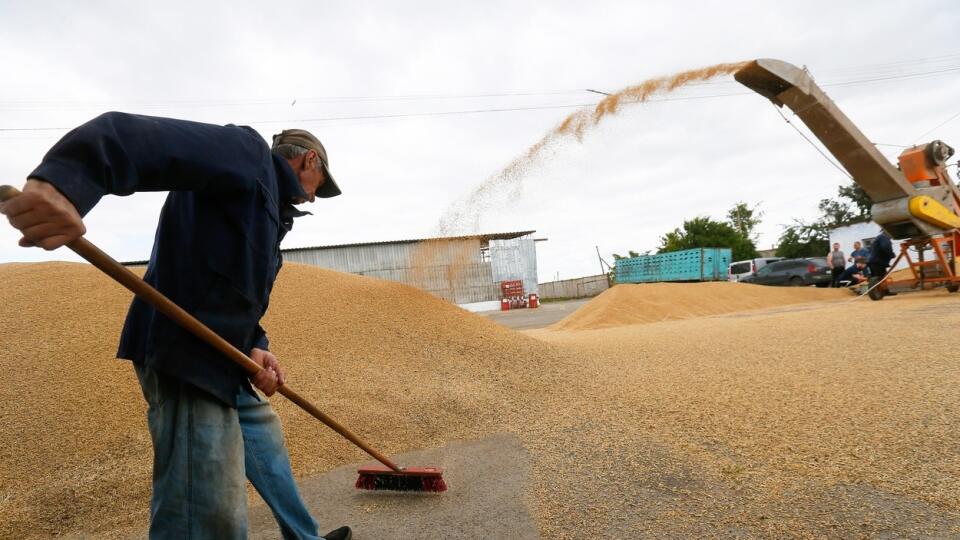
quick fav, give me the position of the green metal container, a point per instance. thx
(700, 264)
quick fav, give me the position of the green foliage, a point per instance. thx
(803, 240)
(745, 219)
(834, 214)
(861, 201)
(703, 232)
(630, 255)
(813, 239)
(853, 206)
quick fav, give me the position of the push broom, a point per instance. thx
(388, 477)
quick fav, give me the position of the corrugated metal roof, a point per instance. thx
(493, 236)
(487, 237)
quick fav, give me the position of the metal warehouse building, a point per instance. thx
(465, 270)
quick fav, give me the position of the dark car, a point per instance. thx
(793, 272)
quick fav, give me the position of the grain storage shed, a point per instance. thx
(465, 270)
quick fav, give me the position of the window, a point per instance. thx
(485, 254)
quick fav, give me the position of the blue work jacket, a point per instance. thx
(217, 247)
(881, 251)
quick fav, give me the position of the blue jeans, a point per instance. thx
(201, 451)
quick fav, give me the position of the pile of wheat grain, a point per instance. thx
(835, 419)
(627, 304)
(396, 365)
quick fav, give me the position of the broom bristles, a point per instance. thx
(384, 479)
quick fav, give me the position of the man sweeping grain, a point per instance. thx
(216, 254)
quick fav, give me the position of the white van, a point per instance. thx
(748, 267)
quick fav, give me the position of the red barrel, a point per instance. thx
(504, 304)
(533, 301)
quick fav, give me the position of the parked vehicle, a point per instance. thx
(793, 272)
(742, 269)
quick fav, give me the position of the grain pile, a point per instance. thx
(732, 426)
(835, 422)
(627, 304)
(398, 366)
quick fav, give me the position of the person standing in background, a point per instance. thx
(859, 252)
(837, 261)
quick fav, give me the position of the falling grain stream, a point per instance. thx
(463, 216)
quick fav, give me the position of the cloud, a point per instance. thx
(637, 177)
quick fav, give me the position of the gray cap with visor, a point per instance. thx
(305, 139)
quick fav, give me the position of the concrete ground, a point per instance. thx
(487, 480)
(541, 317)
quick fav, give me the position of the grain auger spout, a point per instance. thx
(918, 199)
(916, 202)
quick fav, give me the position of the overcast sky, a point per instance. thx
(368, 78)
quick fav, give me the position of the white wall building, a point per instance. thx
(860, 232)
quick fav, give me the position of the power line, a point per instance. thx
(478, 111)
(36, 129)
(871, 72)
(368, 117)
(429, 113)
(895, 77)
(934, 128)
(895, 64)
(193, 103)
(817, 148)
(889, 144)
(189, 103)
(531, 108)
(424, 114)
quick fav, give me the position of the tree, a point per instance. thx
(803, 240)
(702, 232)
(813, 240)
(860, 200)
(630, 254)
(745, 219)
(834, 214)
(853, 206)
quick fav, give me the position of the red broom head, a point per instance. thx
(426, 479)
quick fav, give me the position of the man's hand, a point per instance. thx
(271, 376)
(44, 215)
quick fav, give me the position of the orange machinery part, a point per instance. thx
(916, 166)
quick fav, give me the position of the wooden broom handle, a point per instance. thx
(81, 246)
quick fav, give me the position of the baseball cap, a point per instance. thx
(305, 139)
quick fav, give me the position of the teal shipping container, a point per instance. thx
(700, 264)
